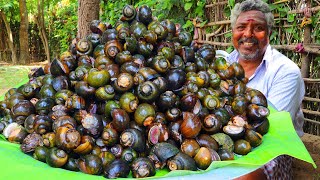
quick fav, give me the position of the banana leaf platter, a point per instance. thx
(281, 139)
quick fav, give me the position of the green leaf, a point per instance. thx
(291, 17)
(187, 6)
(230, 49)
(231, 3)
(273, 35)
(290, 30)
(272, 6)
(7, 6)
(187, 25)
(203, 23)
(229, 34)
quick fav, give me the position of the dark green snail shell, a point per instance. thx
(145, 14)
(147, 91)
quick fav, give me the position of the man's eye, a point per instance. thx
(240, 28)
(259, 28)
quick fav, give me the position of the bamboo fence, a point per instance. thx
(217, 32)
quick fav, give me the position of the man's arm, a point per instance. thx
(287, 91)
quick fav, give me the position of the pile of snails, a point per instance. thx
(135, 97)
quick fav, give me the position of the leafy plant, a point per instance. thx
(64, 25)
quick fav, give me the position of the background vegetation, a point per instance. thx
(60, 21)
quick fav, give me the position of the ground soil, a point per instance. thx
(303, 170)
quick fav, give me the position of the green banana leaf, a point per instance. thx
(281, 139)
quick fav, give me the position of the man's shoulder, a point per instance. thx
(279, 59)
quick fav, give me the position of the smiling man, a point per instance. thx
(267, 70)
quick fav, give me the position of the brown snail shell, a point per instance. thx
(242, 147)
(181, 161)
(174, 130)
(211, 124)
(163, 151)
(40, 153)
(142, 167)
(173, 114)
(112, 48)
(225, 154)
(203, 158)
(56, 157)
(205, 140)
(191, 125)
(40, 124)
(49, 139)
(15, 133)
(30, 142)
(109, 136)
(30, 89)
(92, 123)
(117, 169)
(133, 138)
(75, 102)
(71, 165)
(128, 13)
(85, 146)
(66, 121)
(117, 150)
(256, 112)
(96, 26)
(188, 102)
(107, 157)
(235, 132)
(253, 137)
(129, 155)
(90, 164)
(57, 68)
(123, 82)
(67, 139)
(120, 119)
(190, 147)
(22, 109)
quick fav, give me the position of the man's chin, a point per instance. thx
(248, 56)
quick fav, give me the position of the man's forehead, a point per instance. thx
(251, 16)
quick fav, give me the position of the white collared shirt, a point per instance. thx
(279, 79)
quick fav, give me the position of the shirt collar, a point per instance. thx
(267, 58)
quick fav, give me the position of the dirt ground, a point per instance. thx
(306, 171)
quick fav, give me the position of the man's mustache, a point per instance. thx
(248, 40)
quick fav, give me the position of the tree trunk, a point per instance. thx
(10, 38)
(42, 31)
(88, 10)
(305, 61)
(23, 32)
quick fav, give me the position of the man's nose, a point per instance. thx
(248, 32)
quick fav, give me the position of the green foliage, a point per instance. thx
(112, 10)
(61, 18)
(315, 34)
(179, 11)
(11, 10)
(63, 23)
(291, 17)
